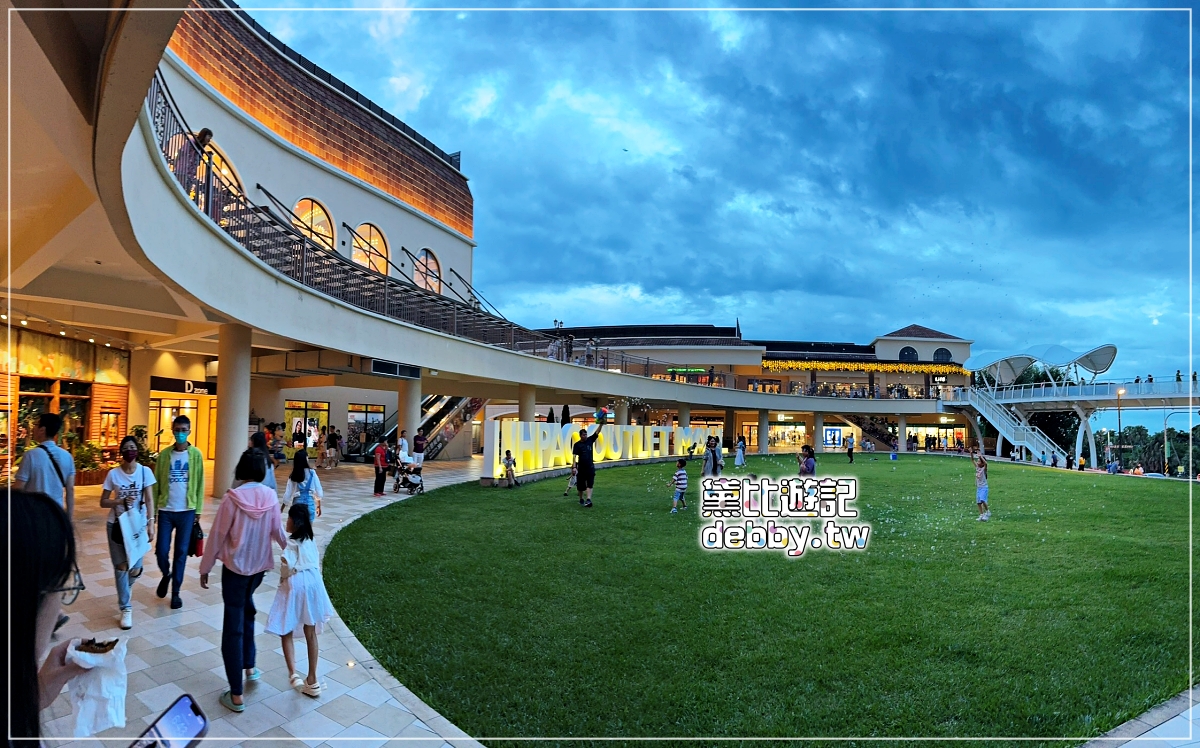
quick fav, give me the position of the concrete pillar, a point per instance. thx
(1092, 440)
(622, 414)
(764, 428)
(526, 403)
(901, 436)
(818, 432)
(999, 445)
(233, 403)
(141, 362)
(408, 403)
(685, 415)
(730, 429)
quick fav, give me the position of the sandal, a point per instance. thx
(313, 690)
(227, 702)
(297, 681)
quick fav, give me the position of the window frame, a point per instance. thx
(421, 267)
(908, 355)
(306, 229)
(371, 259)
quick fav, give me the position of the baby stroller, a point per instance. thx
(409, 478)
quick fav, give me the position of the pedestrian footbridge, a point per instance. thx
(1007, 406)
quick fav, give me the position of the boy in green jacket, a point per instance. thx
(179, 499)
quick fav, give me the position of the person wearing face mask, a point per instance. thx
(130, 482)
(179, 499)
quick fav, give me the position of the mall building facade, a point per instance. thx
(206, 223)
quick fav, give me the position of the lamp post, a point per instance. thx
(1166, 451)
(1120, 445)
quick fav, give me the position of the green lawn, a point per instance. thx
(517, 613)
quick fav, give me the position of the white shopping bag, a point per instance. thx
(98, 695)
(133, 533)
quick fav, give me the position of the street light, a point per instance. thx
(1166, 453)
(1120, 446)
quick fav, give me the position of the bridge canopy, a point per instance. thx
(1005, 368)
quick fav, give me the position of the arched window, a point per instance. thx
(370, 248)
(220, 166)
(942, 356)
(427, 273)
(314, 222)
(908, 354)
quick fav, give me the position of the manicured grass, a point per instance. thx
(517, 613)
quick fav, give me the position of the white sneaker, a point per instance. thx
(126, 619)
(980, 518)
(674, 511)
(987, 515)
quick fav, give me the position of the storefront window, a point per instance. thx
(937, 438)
(109, 434)
(364, 426)
(774, 386)
(305, 419)
(163, 412)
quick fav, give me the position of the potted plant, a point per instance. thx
(88, 469)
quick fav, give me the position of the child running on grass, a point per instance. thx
(301, 600)
(680, 482)
(981, 486)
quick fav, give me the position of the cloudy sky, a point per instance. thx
(1013, 178)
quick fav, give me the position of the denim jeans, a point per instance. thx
(181, 524)
(116, 552)
(237, 631)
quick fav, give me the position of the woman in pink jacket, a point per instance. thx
(246, 523)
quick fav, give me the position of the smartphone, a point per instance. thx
(181, 726)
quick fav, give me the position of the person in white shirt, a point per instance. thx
(301, 601)
(48, 468)
(305, 486)
(131, 483)
(402, 445)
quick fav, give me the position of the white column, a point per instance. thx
(901, 436)
(526, 403)
(141, 362)
(685, 415)
(233, 403)
(622, 414)
(764, 427)
(818, 432)
(408, 403)
(999, 445)
(1092, 440)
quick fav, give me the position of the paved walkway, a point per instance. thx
(178, 651)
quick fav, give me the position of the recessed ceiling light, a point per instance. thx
(91, 340)
(108, 345)
(24, 322)
(62, 332)
(3, 316)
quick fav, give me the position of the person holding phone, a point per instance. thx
(39, 547)
(131, 483)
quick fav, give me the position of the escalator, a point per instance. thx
(442, 417)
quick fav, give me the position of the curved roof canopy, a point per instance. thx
(1005, 368)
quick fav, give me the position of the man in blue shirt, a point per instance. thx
(48, 468)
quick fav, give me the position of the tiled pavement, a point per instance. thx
(171, 652)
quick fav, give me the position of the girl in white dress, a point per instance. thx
(301, 599)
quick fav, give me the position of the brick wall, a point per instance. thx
(313, 117)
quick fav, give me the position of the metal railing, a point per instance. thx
(283, 246)
(1101, 390)
(1004, 421)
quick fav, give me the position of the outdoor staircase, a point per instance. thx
(872, 429)
(1006, 422)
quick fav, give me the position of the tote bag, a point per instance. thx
(133, 530)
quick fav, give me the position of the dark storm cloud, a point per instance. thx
(1014, 178)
